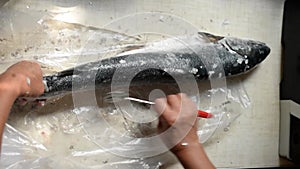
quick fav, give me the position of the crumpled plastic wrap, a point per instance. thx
(60, 136)
(57, 136)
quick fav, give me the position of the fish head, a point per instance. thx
(254, 51)
(238, 55)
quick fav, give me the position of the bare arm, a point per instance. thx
(21, 79)
(188, 150)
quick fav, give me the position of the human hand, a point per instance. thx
(23, 79)
(178, 129)
(178, 120)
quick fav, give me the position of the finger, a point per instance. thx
(160, 105)
(187, 102)
(182, 95)
(35, 69)
(36, 87)
(40, 84)
(174, 101)
(39, 88)
(162, 125)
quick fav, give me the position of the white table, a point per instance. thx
(252, 140)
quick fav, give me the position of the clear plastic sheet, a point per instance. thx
(59, 136)
(70, 138)
(57, 45)
(129, 138)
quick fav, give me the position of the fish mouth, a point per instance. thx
(260, 51)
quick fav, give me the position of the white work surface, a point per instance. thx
(252, 140)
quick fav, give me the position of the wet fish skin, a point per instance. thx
(236, 55)
(252, 52)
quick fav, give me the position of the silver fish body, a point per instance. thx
(160, 63)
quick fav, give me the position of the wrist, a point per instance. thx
(186, 148)
(9, 84)
(190, 142)
(194, 156)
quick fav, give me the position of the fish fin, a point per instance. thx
(68, 72)
(210, 37)
(133, 47)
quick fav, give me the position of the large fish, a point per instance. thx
(197, 55)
